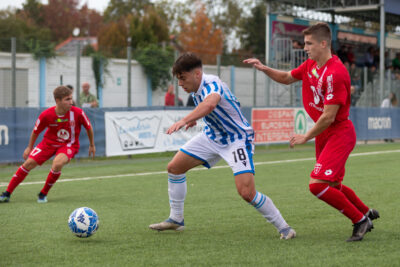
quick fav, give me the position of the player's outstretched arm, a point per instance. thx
(92, 148)
(203, 109)
(279, 76)
(326, 119)
(29, 148)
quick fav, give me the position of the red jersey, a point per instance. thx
(328, 85)
(62, 130)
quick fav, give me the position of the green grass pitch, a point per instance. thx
(128, 194)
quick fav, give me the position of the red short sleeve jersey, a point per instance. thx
(328, 85)
(62, 130)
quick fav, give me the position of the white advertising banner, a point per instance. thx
(139, 132)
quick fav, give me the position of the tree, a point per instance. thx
(252, 30)
(112, 39)
(200, 36)
(143, 29)
(118, 9)
(157, 64)
(61, 17)
(90, 21)
(148, 28)
(12, 25)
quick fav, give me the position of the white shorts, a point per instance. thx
(238, 155)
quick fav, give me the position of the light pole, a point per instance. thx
(75, 33)
(129, 71)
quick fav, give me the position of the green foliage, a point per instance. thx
(13, 26)
(157, 63)
(99, 65)
(117, 9)
(252, 30)
(41, 49)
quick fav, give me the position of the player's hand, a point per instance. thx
(26, 153)
(255, 62)
(190, 124)
(297, 139)
(176, 127)
(92, 151)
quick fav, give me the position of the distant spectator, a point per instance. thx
(190, 101)
(390, 101)
(369, 57)
(371, 74)
(396, 62)
(342, 53)
(72, 90)
(296, 45)
(388, 62)
(170, 97)
(350, 55)
(87, 100)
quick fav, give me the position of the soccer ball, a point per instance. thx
(83, 222)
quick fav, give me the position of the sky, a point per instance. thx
(99, 5)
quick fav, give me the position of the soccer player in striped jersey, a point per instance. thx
(326, 98)
(227, 135)
(63, 122)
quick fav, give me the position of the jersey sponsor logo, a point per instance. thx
(317, 168)
(37, 124)
(315, 73)
(316, 107)
(329, 80)
(329, 97)
(63, 134)
(328, 172)
(61, 120)
(315, 93)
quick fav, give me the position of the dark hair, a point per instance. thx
(320, 32)
(70, 86)
(61, 91)
(185, 63)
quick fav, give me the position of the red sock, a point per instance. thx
(351, 195)
(336, 199)
(18, 177)
(50, 181)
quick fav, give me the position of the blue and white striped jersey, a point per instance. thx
(225, 123)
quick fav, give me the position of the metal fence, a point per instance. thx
(28, 82)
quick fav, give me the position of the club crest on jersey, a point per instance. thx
(63, 134)
(317, 168)
(315, 73)
(72, 123)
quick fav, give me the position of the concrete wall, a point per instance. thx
(240, 80)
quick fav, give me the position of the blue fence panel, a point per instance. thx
(16, 125)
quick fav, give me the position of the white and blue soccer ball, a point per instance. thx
(83, 222)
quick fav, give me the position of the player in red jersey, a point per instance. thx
(326, 98)
(63, 123)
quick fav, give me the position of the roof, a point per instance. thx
(362, 10)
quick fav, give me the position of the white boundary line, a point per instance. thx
(201, 169)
